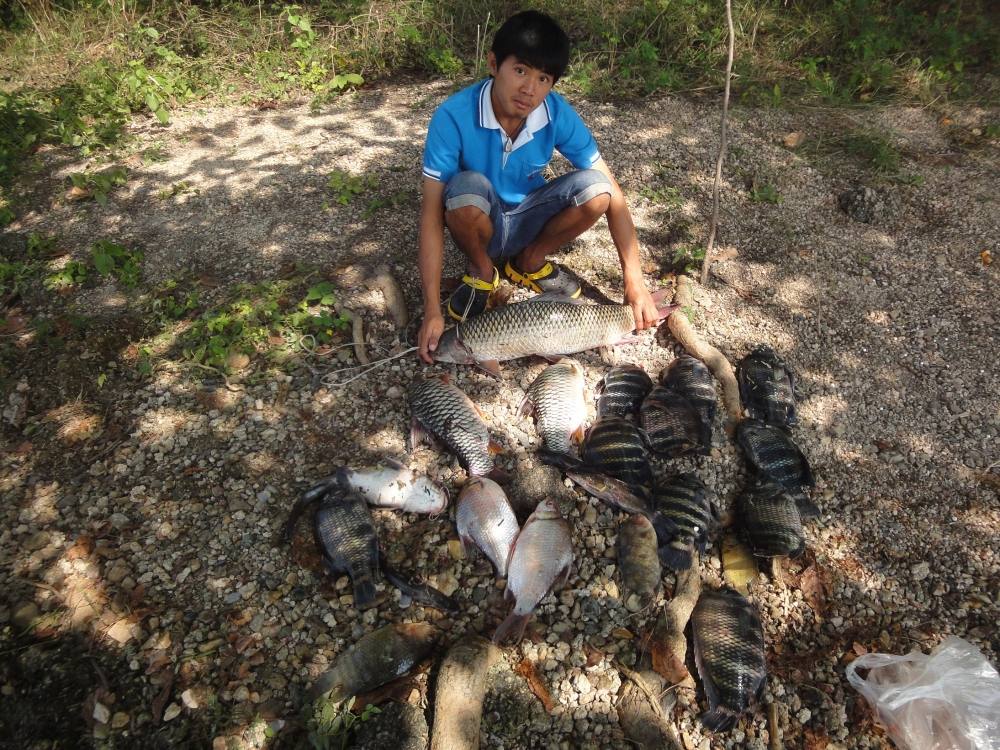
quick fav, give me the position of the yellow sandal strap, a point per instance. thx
(485, 286)
(528, 279)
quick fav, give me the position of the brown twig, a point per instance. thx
(707, 262)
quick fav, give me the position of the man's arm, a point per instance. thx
(623, 235)
(430, 261)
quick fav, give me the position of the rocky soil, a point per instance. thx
(149, 601)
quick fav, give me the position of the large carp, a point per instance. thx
(549, 326)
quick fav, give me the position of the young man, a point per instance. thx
(486, 149)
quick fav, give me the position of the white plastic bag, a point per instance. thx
(946, 700)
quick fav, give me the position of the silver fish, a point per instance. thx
(377, 658)
(485, 518)
(396, 486)
(729, 654)
(638, 560)
(540, 562)
(448, 414)
(545, 326)
(555, 399)
(622, 390)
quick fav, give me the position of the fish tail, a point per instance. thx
(512, 629)
(663, 306)
(498, 475)
(326, 683)
(364, 592)
(807, 508)
(719, 719)
(675, 558)
(422, 593)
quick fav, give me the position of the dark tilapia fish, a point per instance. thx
(729, 654)
(377, 658)
(547, 326)
(540, 561)
(614, 492)
(485, 519)
(346, 538)
(772, 453)
(555, 399)
(684, 515)
(616, 447)
(691, 378)
(419, 591)
(770, 520)
(622, 390)
(637, 558)
(767, 387)
(444, 411)
(674, 427)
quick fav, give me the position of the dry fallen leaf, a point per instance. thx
(81, 548)
(77, 193)
(738, 565)
(813, 590)
(795, 139)
(527, 670)
(986, 256)
(815, 739)
(858, 649)
(623, 633)
(666, 663)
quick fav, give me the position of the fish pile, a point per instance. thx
(669, 521)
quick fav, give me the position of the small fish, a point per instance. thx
(485, 518)
(395, 486)
(729, 654)
(420, 592)
(546, 326)
(555, 399)
(770, 520)
(767, 387)
(772, 453)
(673, 426)
(622, 390)
(346, 538)
(684, 516)
(444, 411)
(637, 558)
(691, 378)
(375, 659)
(615, 446)
(540, 562)
(614, 492)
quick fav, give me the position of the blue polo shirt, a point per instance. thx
(464, 134)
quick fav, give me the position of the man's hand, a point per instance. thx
(643, 307)
(430, 331)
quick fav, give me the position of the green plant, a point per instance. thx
(171, 302)
(667, 196)
(175, 189)
(395, 199)
(346, 186)
(71, 274)
(763, 192)
(97, 185)
(114, 260)
(334, 725)
(688, 258)
(874, 149)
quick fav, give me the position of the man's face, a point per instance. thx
(517, 87)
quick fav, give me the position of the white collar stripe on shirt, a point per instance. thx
(537, 119)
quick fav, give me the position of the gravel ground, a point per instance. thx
(141, 524)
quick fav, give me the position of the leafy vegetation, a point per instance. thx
(97, 185)
(333, 725)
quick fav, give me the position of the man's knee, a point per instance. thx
(593, 192)
(466, 195)
(596, 206)
(467, 216)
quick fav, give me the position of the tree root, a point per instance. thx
(357, 335)
(668, 643)
(393, 295)
(460, 689)
(685, 333)
(640, 713)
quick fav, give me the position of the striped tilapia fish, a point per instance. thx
(346, 538)
(622, 390)
(375, 659)
(615, 446)
(540, 562)
(770, 520)
(674, 427)
(638, 561)
(729, 653)
(684, 514)
(555, 399)
(691, 378)
(772, 453)
(485, 518)
(545, 325)
(767, 387)
(444, 411)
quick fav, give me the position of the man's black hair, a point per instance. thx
(533, 38)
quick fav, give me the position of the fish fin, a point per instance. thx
(675, 558)
(489, 365)
(808, 510)
(556, 297)
(512, 629)
(661, 299)
(423, 593)
(498, 475)
(418, 435)
(444, 377)
(364, 592)
(578, 434)
(719, 719)
(628, 338)
(494, 448)
(527, 407)
(395, 464)
(559, 460)
(551, 359)
(310, 496)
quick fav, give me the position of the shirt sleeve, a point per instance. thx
(573, 138)
(442, 147)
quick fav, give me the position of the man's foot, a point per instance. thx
(549, 278)
(471, 296)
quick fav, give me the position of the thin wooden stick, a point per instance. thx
(707, 262)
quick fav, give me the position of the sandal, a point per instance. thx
(550, 278)
(471, 296)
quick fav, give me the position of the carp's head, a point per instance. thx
(451, 349)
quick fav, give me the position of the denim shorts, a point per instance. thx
(515, 226)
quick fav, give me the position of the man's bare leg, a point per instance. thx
(565, 226)
(472, 231)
